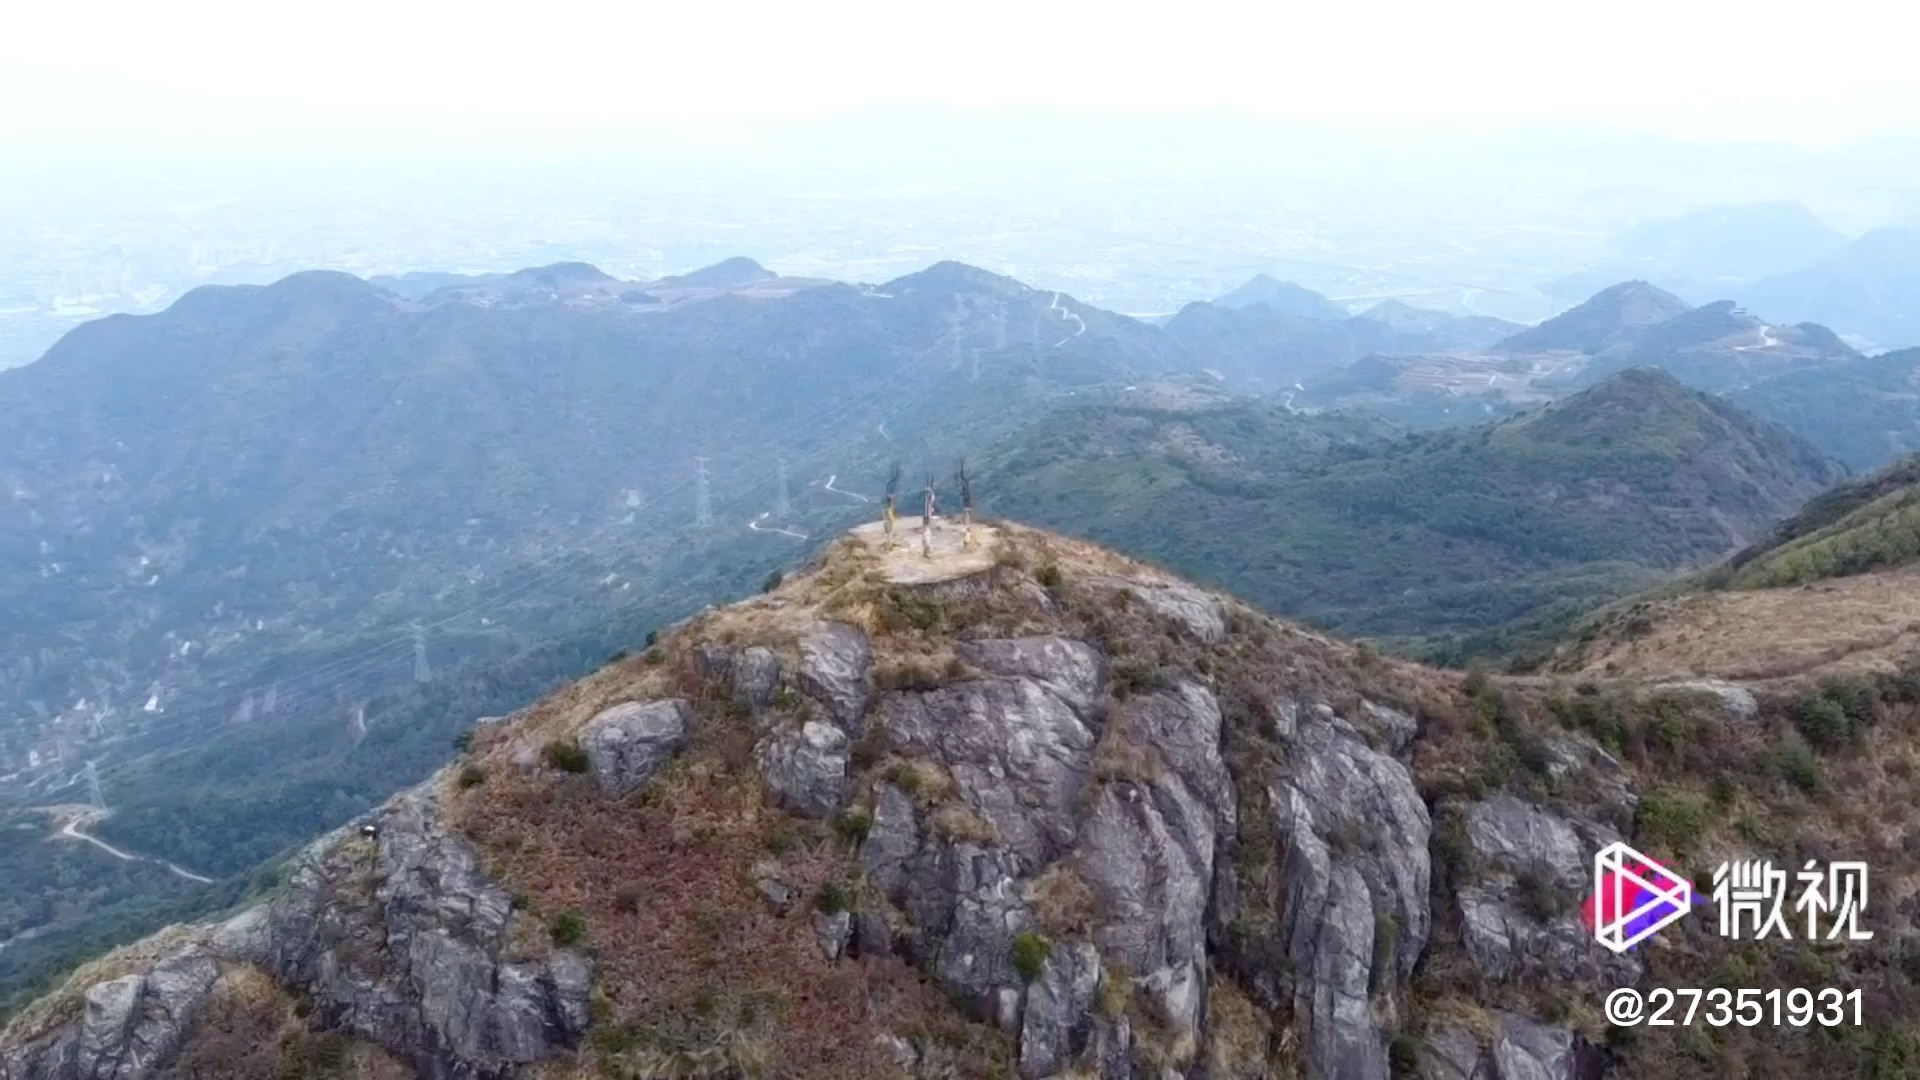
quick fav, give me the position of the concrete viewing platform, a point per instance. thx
(905, 565)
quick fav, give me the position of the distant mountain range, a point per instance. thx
(1343, 521)
(1269, 335)
(1870, 288)
(1282, 298)
(1803, 376)
(1609, 317)
(1774, 257)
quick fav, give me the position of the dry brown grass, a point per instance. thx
(693, 970)
(1062, 901)
(961, 824)
(1239, 1036)
(1853, 625)
(251, 1029)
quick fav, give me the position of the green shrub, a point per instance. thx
(920, 612)
(853, 825)
(566, 755)
(836, 897)
(1133, 676)
(653, 638)
(1030, 952)
(463, 742)
(1722, 791)
(1670, 729)
(773, 581)
(618, 655)
(1403, 1055)
(1797, 766)
(1822, 721)
(1670, 819)
(1386, 944)
(569, 928)
(471, 776)
(1050, 576)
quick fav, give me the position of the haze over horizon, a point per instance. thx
(225, 69)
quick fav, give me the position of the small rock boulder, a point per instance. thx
(834, 663)
(1058, 1017)
(833, 931)
(627, 745)
(805, 768)
(1199, 613)
(756, 676)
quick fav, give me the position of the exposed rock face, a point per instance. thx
(1018, 751)
(129, 1027)
(1070, 669)
(1738, 701)
(1058, 1013)
(627, 745)
(1522, 1050)
(805, 767)
(1198, 612)
(1520, 915)
(1356, 877)
(834, 664)
(756, 676)
(403, 941)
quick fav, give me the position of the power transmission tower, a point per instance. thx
(422, 672)
(702, 495)
(93, 786)
(780, 504)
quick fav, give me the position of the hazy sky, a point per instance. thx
(1806, 73)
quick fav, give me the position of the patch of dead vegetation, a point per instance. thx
(695, 974)
(250, 1029)
(1860, 625)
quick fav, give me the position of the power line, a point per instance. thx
(422, 671)
(702, 495)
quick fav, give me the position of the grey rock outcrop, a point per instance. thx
(1018, 749)
(1356, 876)
(129, 1027)
(1521, 913)
(1738, 701)
(833, 931)
(892, 839)
(756, 677)
(403, 941)
(805, 767)
(1522, 1049)
(1057, 1020)
(1149, 844)
(1198, 612)
(1452, 1054)
(627, 745)
(1071, 669)
(834, 663)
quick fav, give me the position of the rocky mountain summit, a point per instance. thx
(1018, 808)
